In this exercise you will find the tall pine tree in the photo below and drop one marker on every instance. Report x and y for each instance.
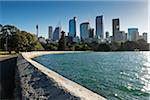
(61, 42)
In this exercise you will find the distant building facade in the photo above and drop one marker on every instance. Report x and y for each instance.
(120, 36)
(140, 37)
(91, 33)
(57, 34)
(115, 26)
(84, 30)
(50, 32)
(145, 36)
(99, 27)
(72, 27)
(133, 34)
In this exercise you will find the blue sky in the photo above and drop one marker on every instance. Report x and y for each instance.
(26, 14)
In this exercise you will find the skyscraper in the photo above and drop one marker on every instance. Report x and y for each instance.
(84, 30)
(115, 26)
(133, 34)
(72, 27)
(50, 31)
(99, 27)
(57, 34)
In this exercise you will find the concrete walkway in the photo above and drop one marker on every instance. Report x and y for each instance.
(7, 77)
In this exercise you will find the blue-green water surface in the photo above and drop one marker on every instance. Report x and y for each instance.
(114, 75)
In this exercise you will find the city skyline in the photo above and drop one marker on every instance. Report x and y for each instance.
(44, 16)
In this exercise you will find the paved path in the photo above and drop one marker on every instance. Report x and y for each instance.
(7, 76)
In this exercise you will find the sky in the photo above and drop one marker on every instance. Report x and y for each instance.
(27, 14)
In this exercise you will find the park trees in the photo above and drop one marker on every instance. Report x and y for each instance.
(19, 40)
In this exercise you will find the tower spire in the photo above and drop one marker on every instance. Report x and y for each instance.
(37, 27)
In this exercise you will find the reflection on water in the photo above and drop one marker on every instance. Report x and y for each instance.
(146, 77)
(114, 75)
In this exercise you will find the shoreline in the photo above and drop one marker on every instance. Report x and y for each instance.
(73, 88)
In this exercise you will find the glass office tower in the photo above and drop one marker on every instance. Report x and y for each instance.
(99, 27)
(57, 34)
(133, 34)
(72, 27)
(115, 26)
(84, 30)
(50, 32)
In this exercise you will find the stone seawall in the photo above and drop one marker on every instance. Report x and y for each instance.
(39, 82)
(35, 85)
(21, 78)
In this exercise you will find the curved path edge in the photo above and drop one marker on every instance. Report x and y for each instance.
(66, 84)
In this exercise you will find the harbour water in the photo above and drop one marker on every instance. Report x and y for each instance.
(114, 75)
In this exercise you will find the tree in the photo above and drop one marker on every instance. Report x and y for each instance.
(61, 43)
(51, 47)
(22, 40)
(114, 46)
(103, 47)
(94, 45)
(79, 47)
(143, 45)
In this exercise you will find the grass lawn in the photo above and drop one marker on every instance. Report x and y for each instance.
(6, 54)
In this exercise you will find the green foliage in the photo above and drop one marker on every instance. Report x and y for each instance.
(133, 45)
(103, 47)
(21, 40)
(78, 48)
(70, 48)
(128, 46)
(61, 43)
(37, 46)
(51, 46)
(143, 45)
(114, 46)
(94, 45)
(2, 42)
(86, 47)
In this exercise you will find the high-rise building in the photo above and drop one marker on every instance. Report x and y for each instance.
(133, 34)
(72, 27)
(57, 34)
(115, 26)
(50, 32)
(120, 36)
(145, 36)
(84, 30)
(99, 27)
(91, 33)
